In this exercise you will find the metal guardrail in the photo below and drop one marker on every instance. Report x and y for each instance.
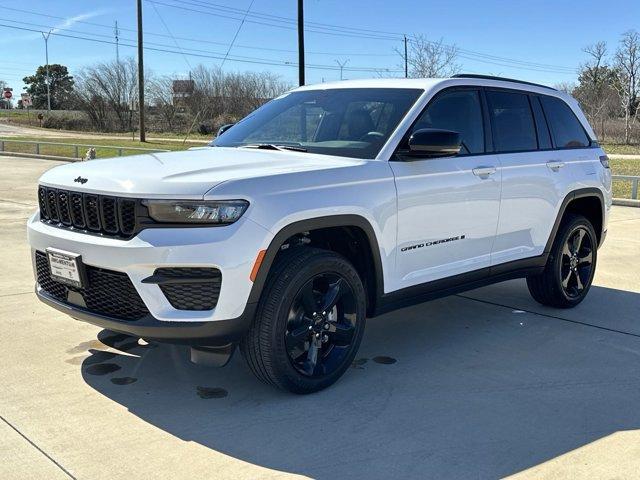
(76, 147)
(634, 183)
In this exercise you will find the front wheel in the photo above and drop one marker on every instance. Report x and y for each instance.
(567, 277)
(309, 322)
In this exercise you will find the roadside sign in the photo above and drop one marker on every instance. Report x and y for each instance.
(26, 99)
(7, 93)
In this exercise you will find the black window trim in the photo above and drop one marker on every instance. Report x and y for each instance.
(488, 130)
(540, 119)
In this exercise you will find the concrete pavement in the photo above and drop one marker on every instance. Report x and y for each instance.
(485, 384)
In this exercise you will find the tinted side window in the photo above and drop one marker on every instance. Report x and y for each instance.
(460, 111)
(566, 129)
(512, 121)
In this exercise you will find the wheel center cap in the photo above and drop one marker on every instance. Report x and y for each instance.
(574, 261)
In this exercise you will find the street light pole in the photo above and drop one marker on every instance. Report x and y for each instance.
(46, 52)
(341, 65)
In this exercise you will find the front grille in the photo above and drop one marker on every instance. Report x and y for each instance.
(98, 214)
(107, 292)
(189, 288)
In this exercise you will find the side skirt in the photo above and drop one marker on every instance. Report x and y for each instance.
(459, 283)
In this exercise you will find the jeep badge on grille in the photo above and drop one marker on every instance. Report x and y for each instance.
(81, 180)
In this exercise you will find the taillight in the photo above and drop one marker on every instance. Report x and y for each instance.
(604, 160)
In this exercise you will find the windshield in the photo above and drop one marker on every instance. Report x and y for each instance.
(349, 122)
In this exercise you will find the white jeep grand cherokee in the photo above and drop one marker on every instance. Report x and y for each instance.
(329, 204)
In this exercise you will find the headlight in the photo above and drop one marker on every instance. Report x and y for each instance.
(218, 212)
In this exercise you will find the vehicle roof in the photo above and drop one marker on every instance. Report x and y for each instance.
(429, 83)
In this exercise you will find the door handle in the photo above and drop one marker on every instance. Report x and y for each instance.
(484, 172)
(555, 165)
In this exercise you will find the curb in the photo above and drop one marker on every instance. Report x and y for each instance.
(41, 157)
(626, 202)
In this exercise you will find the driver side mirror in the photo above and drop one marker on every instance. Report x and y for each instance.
(224, 128)
(431, 142)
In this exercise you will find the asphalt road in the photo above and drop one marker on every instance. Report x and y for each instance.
(13, 130)
(485, 384)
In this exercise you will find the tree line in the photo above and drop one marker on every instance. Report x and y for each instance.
(608, 87)
(106, 94)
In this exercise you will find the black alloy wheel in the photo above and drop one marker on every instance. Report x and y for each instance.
(321, 325)
(577, 262)
(567, 276)
(309, 321)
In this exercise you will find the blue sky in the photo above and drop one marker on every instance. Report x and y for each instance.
(549, 34)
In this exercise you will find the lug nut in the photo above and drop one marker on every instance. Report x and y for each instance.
(326, 326)
(310, 327)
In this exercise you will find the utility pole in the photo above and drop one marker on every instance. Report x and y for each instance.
(116, 33)
(300, 43)
(46, 53)
(140, 75)
(341, 65)
(406, 60)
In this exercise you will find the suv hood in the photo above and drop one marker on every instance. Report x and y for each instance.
(183, 174)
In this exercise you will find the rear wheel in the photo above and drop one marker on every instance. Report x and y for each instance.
(567, 277)
(309, 322)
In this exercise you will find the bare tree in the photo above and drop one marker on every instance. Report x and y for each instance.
(566, 87)
(108, 92)
(220, 97)
(428, 58)
(161, 97)
(627, 61)
(596, 88)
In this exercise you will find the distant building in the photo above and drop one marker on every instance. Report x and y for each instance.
(181, 90)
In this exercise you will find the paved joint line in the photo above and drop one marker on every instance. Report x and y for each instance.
(613, 330)
(37, 448)
(33, 205)
(2, 295)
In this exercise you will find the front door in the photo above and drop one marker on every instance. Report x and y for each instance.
(447, 207)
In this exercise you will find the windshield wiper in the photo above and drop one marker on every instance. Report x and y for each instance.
(272, 146)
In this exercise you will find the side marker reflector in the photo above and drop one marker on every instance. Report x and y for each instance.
(256, 265)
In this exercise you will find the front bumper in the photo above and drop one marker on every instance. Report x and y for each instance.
(218, 333)
(231, 249)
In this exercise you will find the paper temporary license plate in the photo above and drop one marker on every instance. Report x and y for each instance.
(65, 267)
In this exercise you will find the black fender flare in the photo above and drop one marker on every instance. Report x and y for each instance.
(315, 224)
(575, 194)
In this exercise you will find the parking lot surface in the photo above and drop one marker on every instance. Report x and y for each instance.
(484, 384)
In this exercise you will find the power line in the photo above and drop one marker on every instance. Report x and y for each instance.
(200, 55)
(226, 55)
(469, 54)
(166, 27)
(275, 25)
(350, 31)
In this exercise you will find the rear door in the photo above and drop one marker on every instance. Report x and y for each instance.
(535, 174)
(447, 207)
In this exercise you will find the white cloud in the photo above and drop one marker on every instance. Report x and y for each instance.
(69, 22)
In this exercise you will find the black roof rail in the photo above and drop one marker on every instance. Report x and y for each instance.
(504, 79)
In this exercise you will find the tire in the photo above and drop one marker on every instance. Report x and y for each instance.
(280, 344)
(570, 268)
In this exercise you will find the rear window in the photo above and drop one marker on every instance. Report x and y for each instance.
(512, 121)
(566, 129)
